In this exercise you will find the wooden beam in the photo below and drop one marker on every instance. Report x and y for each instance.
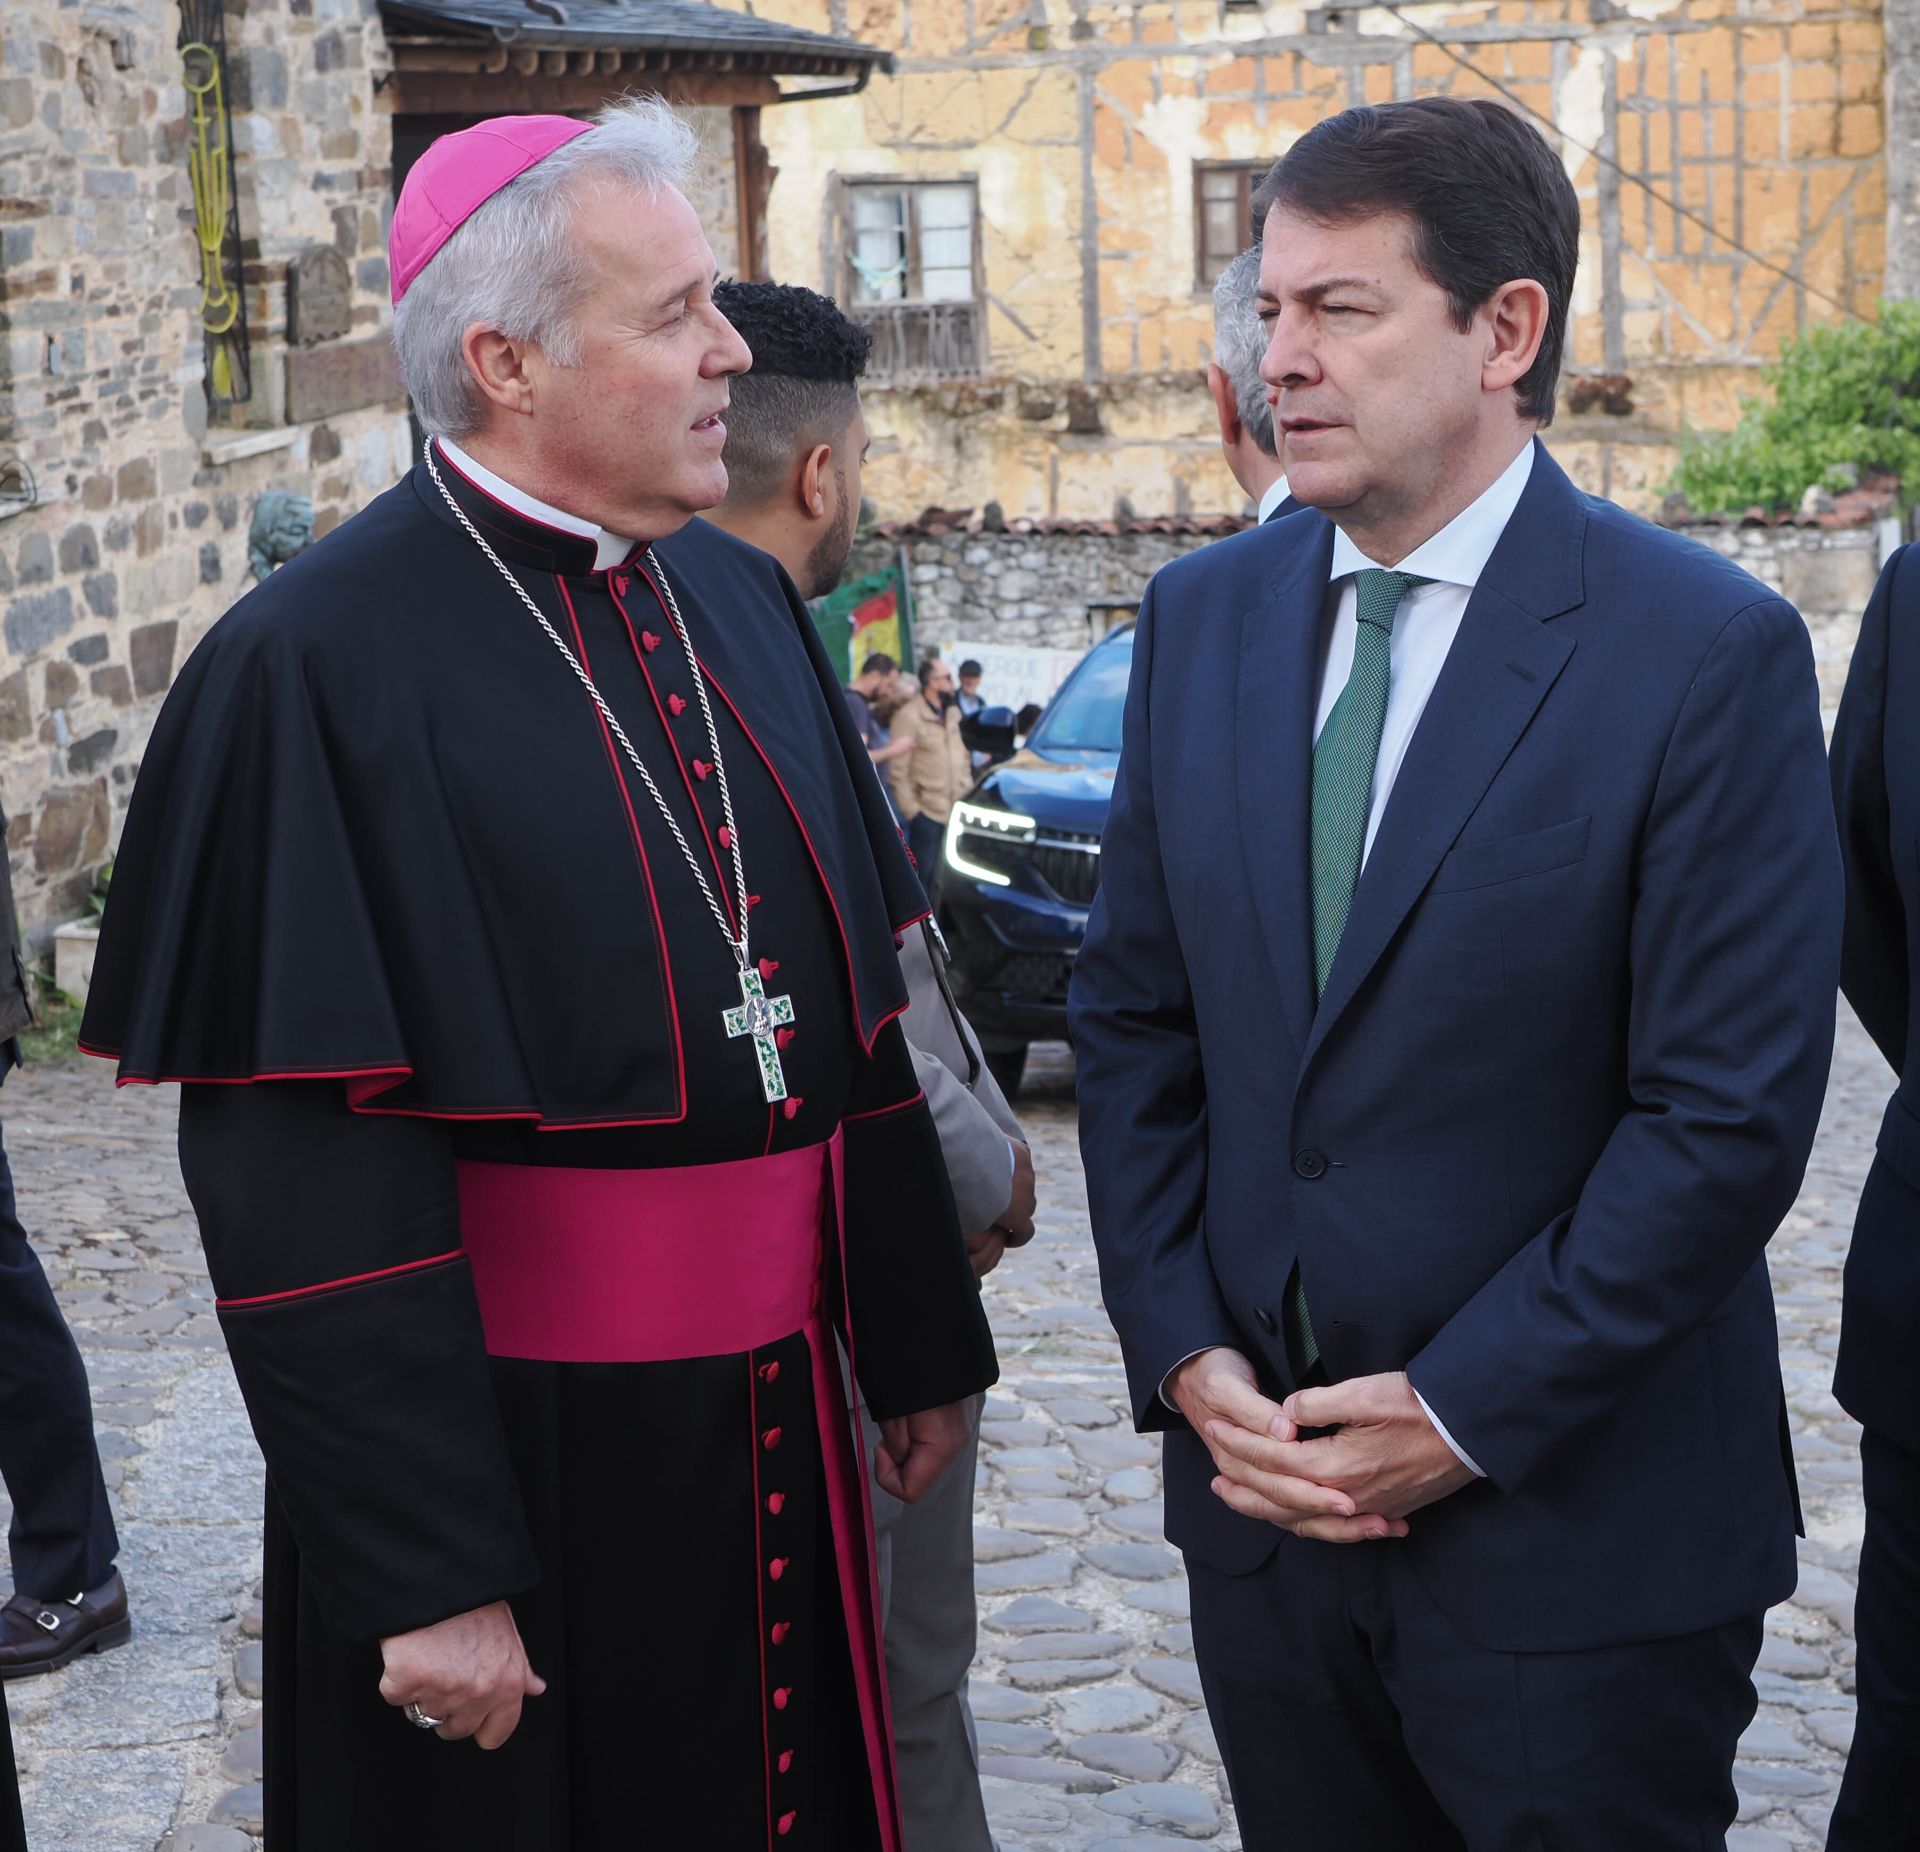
(753, 177)
(513, 92)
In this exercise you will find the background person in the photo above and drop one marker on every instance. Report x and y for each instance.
(68, 1597)
(1876, 789)
(801, 397)
(1241, 398)
(930, 779)
(1452, 1036)
(873, 684)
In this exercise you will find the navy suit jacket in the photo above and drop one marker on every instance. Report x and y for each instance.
(1876, 785)
(1531, 1144)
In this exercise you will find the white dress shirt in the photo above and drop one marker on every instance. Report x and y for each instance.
(1424, 628)
(1275, 495)
(611, 549)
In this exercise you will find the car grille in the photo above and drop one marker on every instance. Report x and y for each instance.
(1040, 976)
(1069, 863)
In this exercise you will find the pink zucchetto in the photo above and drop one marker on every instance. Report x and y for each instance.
(458, 175)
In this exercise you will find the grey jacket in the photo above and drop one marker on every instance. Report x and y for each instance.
(970, 1112)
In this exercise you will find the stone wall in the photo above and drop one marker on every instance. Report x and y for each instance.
(138, 539)
(1046, 587)
(1058, 586)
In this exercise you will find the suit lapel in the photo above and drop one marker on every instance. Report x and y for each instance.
(1502, 664)
(1278, 692)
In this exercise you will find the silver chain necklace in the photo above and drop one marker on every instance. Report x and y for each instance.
(757, 1016)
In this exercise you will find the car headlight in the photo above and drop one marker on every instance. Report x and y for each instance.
(991, 824)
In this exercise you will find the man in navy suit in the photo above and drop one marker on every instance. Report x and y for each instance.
(1876, 788)
(1449, 1051)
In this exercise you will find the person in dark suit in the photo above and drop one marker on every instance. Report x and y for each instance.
(68, 1598)
(1240, 396)
(1451, 1041)
(13, 1830)
(1876, 789)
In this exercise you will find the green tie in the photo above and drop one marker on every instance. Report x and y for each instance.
(1344, 758)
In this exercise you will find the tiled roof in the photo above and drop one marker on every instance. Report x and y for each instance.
(684, 26)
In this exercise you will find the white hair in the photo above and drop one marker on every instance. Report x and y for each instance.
(1239, 343)
(516, 263)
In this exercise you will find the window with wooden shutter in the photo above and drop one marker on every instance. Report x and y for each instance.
(912, 260)
(1222, 215)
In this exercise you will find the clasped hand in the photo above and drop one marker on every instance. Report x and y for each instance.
(1354, 1486)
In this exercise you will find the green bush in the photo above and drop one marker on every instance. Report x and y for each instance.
(1846, 403)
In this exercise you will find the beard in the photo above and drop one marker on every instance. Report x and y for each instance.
(827, 563)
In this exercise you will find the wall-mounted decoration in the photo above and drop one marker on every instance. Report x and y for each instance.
(282, 526)
(216, 214)
(319, 296)
(18, 490)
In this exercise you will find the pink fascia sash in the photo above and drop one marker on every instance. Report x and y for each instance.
(646, 1266)
(650, 1266)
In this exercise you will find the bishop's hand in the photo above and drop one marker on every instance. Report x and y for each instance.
(915, 1450)
(1246, 1432)
(470, 1671)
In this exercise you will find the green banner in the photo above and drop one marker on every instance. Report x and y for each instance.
(872, 612)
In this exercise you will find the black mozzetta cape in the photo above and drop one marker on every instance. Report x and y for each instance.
(384, 855)
(341, 856)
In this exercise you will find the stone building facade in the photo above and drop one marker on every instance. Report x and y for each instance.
(1731, 157)
(137, 537)
(153, 390)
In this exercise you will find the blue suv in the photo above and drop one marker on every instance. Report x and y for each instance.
(1022, 863)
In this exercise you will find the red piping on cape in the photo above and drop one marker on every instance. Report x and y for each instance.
(334, 1286)
(886, 1112)
(532, 520)
(833, 900)
(646, 870)
(700, 816)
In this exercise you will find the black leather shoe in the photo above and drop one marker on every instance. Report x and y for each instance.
(39, 1636)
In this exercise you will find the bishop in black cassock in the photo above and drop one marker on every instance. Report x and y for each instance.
(532, 1289)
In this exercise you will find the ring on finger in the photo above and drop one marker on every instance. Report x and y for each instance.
(419, 1718)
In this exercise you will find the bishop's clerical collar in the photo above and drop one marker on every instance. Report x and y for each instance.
(610, 549)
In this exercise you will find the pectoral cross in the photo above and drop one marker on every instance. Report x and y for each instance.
(759, 1015)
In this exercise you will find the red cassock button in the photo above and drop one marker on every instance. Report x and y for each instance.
(778, 1634)
(793, 1105)
(776, 1502)
(677, 705)
(781, 1037)
(620, 583)
(649, 642)
(770, 1439)
(778, 1567)
(726, 837)
(768, 966)
(786, 1760)
(786, 1823)
(781, 1696)
(753, 900)
(769, 1372)
(702, 770)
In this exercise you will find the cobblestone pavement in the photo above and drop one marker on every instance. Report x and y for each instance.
(1093, 1738)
